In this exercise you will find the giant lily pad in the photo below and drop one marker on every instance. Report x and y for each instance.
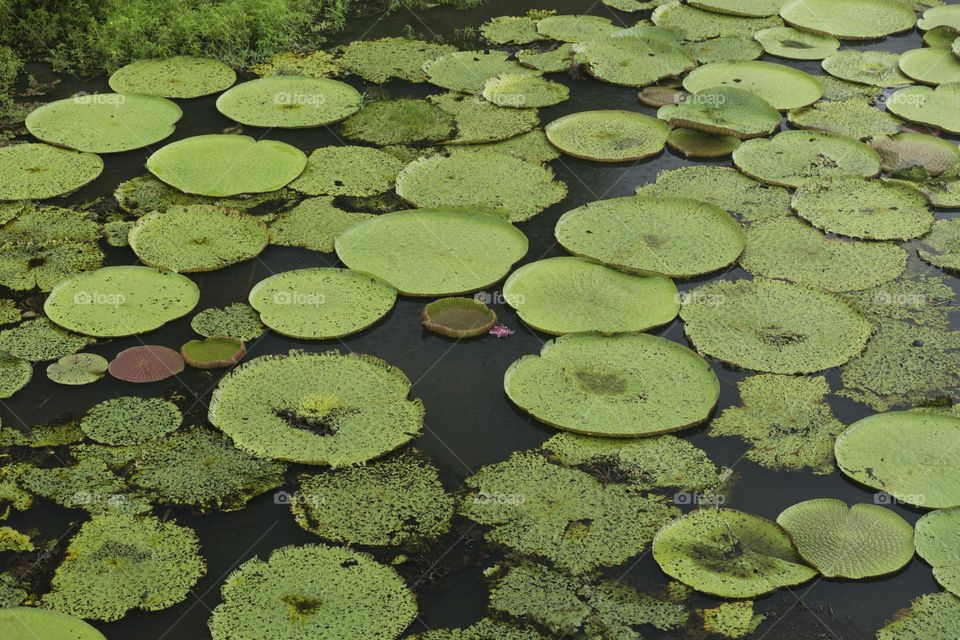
(313, 591)
(729, 553)
(574, 295)
(933, 616)
(787, 42)
(941, 247)
(908, 150)
(511, 30)
(608, 136)
(468, 71)
(749, 8)
(226, 165)
(782, 86)
(696, 144)
(697, 25)
(846, 20)
(944, 16)
(676, 237)
(908, 454)
(24, 623)
(313, 223)
(931, 66)
(321, 303)
(938, 107)
(523, 90)
(478, 121)
(875, 68)
(380, 60)
(623, 386)
(120, 301)
(791, 158)
(318, 408)
(551, 61)
(937, 537)
(289, 102)
(773, 326)
(855, 118)
(33, 171)
(861, 541)
(400, 121)
(633, 59)
(176, 77)
(724, 110)
(104, 122)
(575, 28)
(38, 339)
(131, 420)
(347, 171)
(724, 49)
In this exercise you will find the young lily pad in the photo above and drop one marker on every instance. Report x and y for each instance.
(875, 68)
(931, 616)
(931, 66)
(854, 118)
(861, 541)
(146, 363)
(790, 249)
(321, 303)
(633, 59)
(732, 619)
(131, 420)
(724, 110)
(905, 151)
(676, 237)
(729, 553)
(14, 374)
(213, 353)
(937, 535)
(236, 320)
(938, 107)
(197, 238)
(845, 20)
(562, 514)
(31, 622)
(485, 180)
(905, 453)
(313, 591)
(226, 165)
(119, 562)
(697, 144)
(292, 102)
(608, 136)
(511, 30)
(787, 42)
(697, 25)
(458, 317)
(782, 86)
(574, 295)
(393, 502)
(523, 91)
(551, 61)
(38, 340)
(315, 64)
(33, 171)
(313, 224)
(317, 408)
(380, 60)
(660, 96)
(400, 121)
(941, 247)
(120, 301)
(574, 28)
(860, 208)
(348, 171)
(468, 71)
(176, 77)
(724, 187)
(773, 326)
(786, 420)
(104, 122)
(945, 16)
(749, 8)
(78, 369)
(792, 158)
(478, 121)
(625, 386)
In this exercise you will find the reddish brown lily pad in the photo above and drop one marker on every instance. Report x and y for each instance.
(147, 363)
(213, 353)
(458, 317)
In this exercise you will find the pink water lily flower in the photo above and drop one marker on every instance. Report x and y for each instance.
(501, 331)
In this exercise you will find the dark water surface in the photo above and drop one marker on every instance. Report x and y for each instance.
(469, 420)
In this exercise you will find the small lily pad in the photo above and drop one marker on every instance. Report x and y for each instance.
(347, 171)
(875, 68)
(78, 369)
(931, 66)
(38, 340)
(213, 353)
(723, 49)
(726, 111)
(131, 420)
(292, 102)
(792, 158)
(845, 20)
(937, 537)
(608, 136)
(15, 373)
(236, 320)
(468, 71)
(782, 86)
(697, 144)
(176, 77)
(146, 363)
(787, 42)
(941, 247)
(634, 59)
(458, 317)
(33, 171)
(523, 91)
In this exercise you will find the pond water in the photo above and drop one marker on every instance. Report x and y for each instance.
(469, 421)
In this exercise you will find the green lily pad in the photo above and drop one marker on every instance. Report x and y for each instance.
(676, 237)
(197, 238)
(861, 541)
(930, 617)
(931, 66)
(782, 86)
(511, 30)
(724, 49)
(908, 150)
(131, 420)
(314, 224)
(104, 122)
(624, 386)
(15, 373)
(321, 303)
(937, 535)
(633, 59)
(523, 91)
(213, 353)
(792, 158)
(42, 264)
(854, 118)
(787, 42)
(485, 629)
(697, 144)
(176, 77)
(861, 208)
(315, 64)
(790, 249)
(945, 16)
(941, 37)
(33, 171)
(348, 171)
(938, 107)
(458, 317)
(292, 102)
(941, 247)
(380, 60)
(773, 326)
(226, 165)
(393, 502)
(837, 89)
(732, 619)
(550, 61)
(697, 25)
(88, 485)
(725, 111)
(749, 8)
(478, 121)
(608, 136)
(38, 340)
(468, 71)
(143, 194)
(875, 68)
(485, 180)
(532, 146)
(236, 320)
(575, 28)
(574, 295)
(119, 562)
(317, 408)
(786, 420)
(313, 591)
(400, 121)
(906, 454)
(845, 20)
(120, 301)
(29, 622)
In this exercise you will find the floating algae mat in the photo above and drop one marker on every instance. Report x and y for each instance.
(456, 320)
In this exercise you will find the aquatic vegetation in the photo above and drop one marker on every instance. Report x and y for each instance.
(213, 353)
(293, 102)
(347, 171)
(176, 77)
(398, 501)
(532, 146)
(934, 615)
(562, 514)
(458, 317)
(322, 408)
(836, 89)
(226, 164)
(523, 91)
(314, 224)
(781, 86)
(732, 619)
(131, 420)
(119, 562)
(723, 49)
(723, 110)
(935, 107)
(845, 20)
(146, 363)
(861, 541)
(197, 238)
(908, 150)
(319, 303)
(15, 373)
(941, 37)
(608, 136)
(15, 541)
(32, 622)
(574, 28)
(931, 66)
(750, 8)
(697, 25)
(237, 320)
(478, 121)
(34, 171)
(485, 629)
(786, 420)
(943, 16)
(697, 144)
(468, 71)
(89, 485)
(399, 121)
(549, 61)
(501, 331)
(941, 247)
(633, 59)
(511, 29)
(146, 193)
(875, 68)
(854, 118)
(936, 540)
(624, 386)
(120, 301)
(314, 64)
(77, 369)
(787, 42)
(41, 436)
(729, 553)
(115, 232)
(39, 340)
(380, 60)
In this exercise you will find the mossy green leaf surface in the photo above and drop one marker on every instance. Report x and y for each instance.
(320, 302)
(478, 121)
(12, 594)
(697, 25)
(523, 91)
(941, 247)
(931, 66)
(939, 37)
(321, 408)
(938, 539)
(291, 102)
(782, 86)
(845, 20)
(787, 42)
(792, 158)
(944, 16)
(176, 77)
(380, 60)
(729, 553)
(38, 340)
(854, 118)
(511, 30)
(236, 320)
(836, 89)
(633, 59)
(532, 146)
(14, 375)
(550, 61)
(146, 193)
(313, 224)
(468, 71)
(131, 420)
(732, 619)
(399, 121)
(34, 171)
(14, 541)
(30, 265)
(120, 301)
(935, 616)
(347, 171)
(723, 111)
(575, 28)
(315, 64)
(875, 68)
(89, 485)
(78, 369)
(726, 48)
(608, 136)
(30, 622)
(485, 629)
(625, 386)
(938, 107)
